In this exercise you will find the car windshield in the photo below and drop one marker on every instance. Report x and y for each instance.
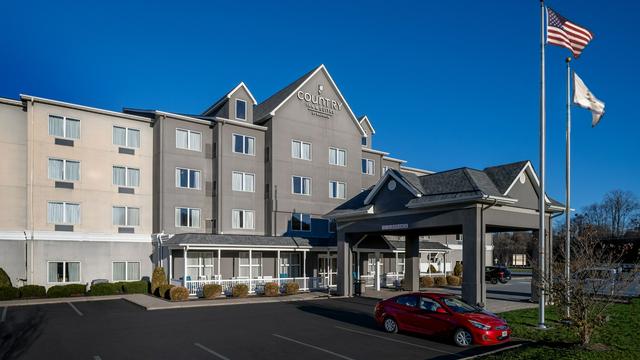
(459, 306)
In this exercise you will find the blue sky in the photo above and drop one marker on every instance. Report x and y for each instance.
(446, 84)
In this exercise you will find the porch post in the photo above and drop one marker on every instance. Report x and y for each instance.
(170, 275)
(278, 268)
(184, 276)
(304, 269)
(377, 273)
(412, 262)
(219, 258)
(397, 272)
(358, 269)
(328, 269)
(250, 271)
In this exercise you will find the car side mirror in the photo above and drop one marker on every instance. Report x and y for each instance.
(441, 310)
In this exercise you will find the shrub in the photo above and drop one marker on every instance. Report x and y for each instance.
(291, 288)
(457, 270)
(58, 291)
(454, 280)
(163, 291)
(158, 278)
(178, 293)
(432, 269)
(77, 289)
(105, 289)
(211, 291)
(240, 290)
(5, 280)
(9, 293)
(271, 289)
(135, 287)
(32, 291)
(439, 281)
(426, 281)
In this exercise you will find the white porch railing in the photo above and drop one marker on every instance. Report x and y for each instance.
(255, 285)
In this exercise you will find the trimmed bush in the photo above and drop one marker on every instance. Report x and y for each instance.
(240, 290)
(291, 288)
(179, 293)
(457, 269)
(271, 289)
(105, 289)
(158, 278)
(5, 280)
(211, 291)
(9, 293)
(32, 291)
(163, 291)
(439, 281)
(135, 287)
(426, 281)
(67, 290)
(454, 280)
(77, 289)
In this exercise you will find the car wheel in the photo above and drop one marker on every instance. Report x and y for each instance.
(504, 281)
(390, 325)
(494, 281)
(462, 337)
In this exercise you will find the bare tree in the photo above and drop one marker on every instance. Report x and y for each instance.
(620, 207)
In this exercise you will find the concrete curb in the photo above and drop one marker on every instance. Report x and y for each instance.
(63, 300)
(493, 352)
(223, 302)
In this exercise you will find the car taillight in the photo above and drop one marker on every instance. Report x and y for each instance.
(501, 273)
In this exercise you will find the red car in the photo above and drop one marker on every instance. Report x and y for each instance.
(442, 314)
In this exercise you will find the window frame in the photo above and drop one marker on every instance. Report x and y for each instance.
(373, 167)
(126, 215)
(243, 219)
(64, 212)
(188, 139)
(126, 270)
(189, 217)
(302, 222)
(64, 127)
(290, 265)
(337, 149)
(250, 265)
(244, 175)
(126, 176)
(199, 187)
(301, 185)
(64, 169)
(302, 152)
(337, 182)
(126, 137)
(364, 140)
(245, 109)
(64, 271)
(244, 137)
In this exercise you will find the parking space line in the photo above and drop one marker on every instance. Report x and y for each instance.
(75, 308)
(396, 340)
(313, 347)
(210, 351)
(4, 314)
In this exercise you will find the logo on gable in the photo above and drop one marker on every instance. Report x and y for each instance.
(319, 105)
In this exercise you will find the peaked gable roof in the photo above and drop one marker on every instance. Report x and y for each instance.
(503, 176)
(227, 96)
(365, 120)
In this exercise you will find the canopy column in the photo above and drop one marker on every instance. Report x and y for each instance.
(345, 278)
(473, 257)
(412, 262)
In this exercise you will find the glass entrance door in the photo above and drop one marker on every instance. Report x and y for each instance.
(327, 269)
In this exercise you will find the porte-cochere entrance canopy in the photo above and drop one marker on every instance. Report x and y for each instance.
(461, 201)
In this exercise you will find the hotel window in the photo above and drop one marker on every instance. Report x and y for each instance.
(332, 225)
(371, 263)
(300, 222)
(126, 216)
(301, 185)
(242, 219)
(400, 265)
(368, 166)
(188, 217)
(363, 141)
(126, 271)
(300, 150)
(127, 177)
(126, 137)
(64, 127)
(241, 109)
(64, 170)
(337, 189)
(200, 265)
(289, 265)
(187, 178)
(63, 271)
(63, 213)
(385, 169)
(188, 140)
(242, 181)
(255, 268)
(244, 144)
(337, 156)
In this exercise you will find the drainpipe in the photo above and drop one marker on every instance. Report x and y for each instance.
(159, 240)
(219, 212)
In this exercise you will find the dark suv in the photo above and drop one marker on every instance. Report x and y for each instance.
(497, 273)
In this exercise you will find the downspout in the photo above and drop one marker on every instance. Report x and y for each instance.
(30, 191)
(161, 177)
(219, 178)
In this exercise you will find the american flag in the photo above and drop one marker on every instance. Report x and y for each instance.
(563, 32)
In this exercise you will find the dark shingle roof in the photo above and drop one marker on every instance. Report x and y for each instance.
(352, 205)
(237, 240)
(503, 175)
(424, 245)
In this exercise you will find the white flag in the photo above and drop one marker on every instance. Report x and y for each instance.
(585, 99)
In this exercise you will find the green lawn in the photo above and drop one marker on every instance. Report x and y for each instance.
(618, 339)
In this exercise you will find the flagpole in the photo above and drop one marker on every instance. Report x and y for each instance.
(567, 268)
(542, 235)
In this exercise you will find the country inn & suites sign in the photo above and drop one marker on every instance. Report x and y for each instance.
(319, 105)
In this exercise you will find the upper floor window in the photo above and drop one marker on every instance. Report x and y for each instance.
(126, 216)
(333, 227)
(242, 181)
(337, 189)
(243, 144)
(300, 150)
(242, 219)
(187, 178)
(64, 127)
(125, 176)
(126, 137)
(385, 169)
(64, 170)
(187, 217)
(364, 141)
(301, 185)
(337, 156)
(63, 213)
(368, 166)
(188, 140)
(301, 222)
(241, 109)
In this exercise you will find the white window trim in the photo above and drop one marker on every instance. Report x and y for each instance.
(189, 139)
(126, 270)
(126, 215)
(201, 265)
(126, 176)
(243, 211)
(301, 185)
(337, 150)
(64, 127)
(244, 174)
(199, 187)
(64, 271)
(250, 265)
(337, 182)
(246, 110)
(64, 212)
(64, 169)
(233, 144)
(189, 214)
(301, 143)
(373, 167)
(290, 265)
(126, 136)
(301, 222)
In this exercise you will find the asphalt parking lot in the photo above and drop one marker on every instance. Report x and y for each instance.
(117, 329)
